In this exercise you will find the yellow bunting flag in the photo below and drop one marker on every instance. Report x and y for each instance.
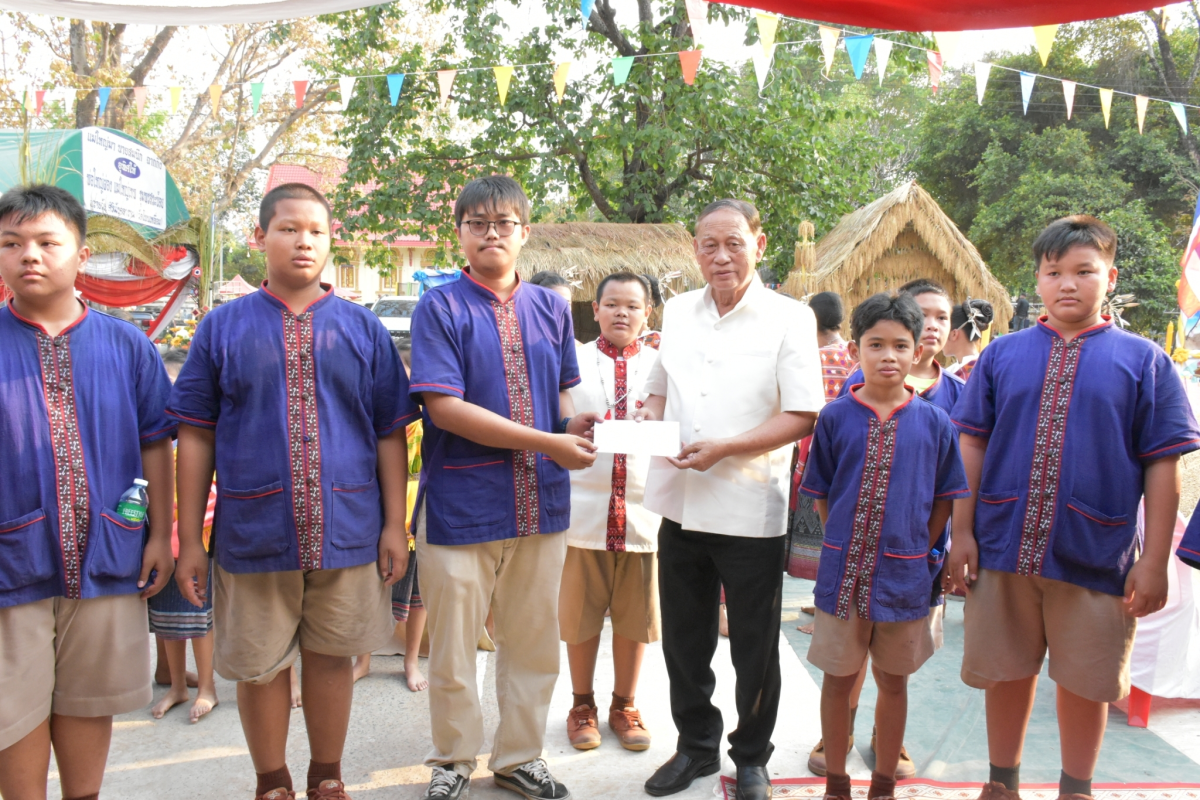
(445, 82)
(1106, 104)
(560, 79)
(829, 40)
(176, 95)
(503, 78)
(1140, 102)
(1044, 36)
(768, 25)
(139, 99)
(947, 45)
(214, 97)
(1069, 95)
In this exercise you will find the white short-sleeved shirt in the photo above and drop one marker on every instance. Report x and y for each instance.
(592, 488)
(724, 376)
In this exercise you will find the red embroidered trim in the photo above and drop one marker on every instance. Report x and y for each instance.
(858, 576)
(1047, 454)
(304, 444)
(70, 472)
(615, 537)
(520, 402)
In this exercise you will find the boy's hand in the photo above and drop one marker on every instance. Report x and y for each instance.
(393, 554)
(582, 424)
(155, 556)
(962, 568)
(1145, 588)
(644, 415)
(572, 452)
(700, 456)
(191, 574)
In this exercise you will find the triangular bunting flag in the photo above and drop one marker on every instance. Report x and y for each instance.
(1069, 96)
(982, 71)
(1027, 80)
(445, 83)
(947, 44)
(585, 8)
(103, 93)
(768, 25)
(1106, 104)
(689, 60)
(39, 99)
(214, 97)
(346, 91)
(883, 54)
(829, 40)
(935, 69)
(300, 88)
(27, 100)
(560, 80)
(697, 13)
(395, 83)
(1180, 114)
(503, 78)
(762, 65)
(256, 91)
(1140, 103)
(176, 96)
(1044, 36)
(620, 68)
(139, 99)
(858, 48)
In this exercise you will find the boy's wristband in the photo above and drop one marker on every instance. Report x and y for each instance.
(563, 423)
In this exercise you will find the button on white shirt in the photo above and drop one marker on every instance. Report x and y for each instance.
(724, 376)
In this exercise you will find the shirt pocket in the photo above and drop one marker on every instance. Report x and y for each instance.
(26, 552)
(995, 515)
(1093, 539)
(830, 569)
(904, 579)
(357, 515)
(254, 521)
(476, 490)
(556, 487)
(117, 551)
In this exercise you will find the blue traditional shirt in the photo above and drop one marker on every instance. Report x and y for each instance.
(881, 478)
(512, 357)
(75, 410)
(1071, 426)
(299, 403)
(1189, 547)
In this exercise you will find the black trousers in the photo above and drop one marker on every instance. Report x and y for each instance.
(692, 568)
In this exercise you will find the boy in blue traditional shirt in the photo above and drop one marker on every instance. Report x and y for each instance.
(299, 400)
(82, 415)
(493, 358)
(1064, 427)
(883, 469)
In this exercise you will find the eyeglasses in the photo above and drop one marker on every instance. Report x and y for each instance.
(479, 227)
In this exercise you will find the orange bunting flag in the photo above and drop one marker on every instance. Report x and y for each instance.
(1069, 95)
(935, 69)
(139, 99)
(560, 79)
(176, 94)
(689, 60)
(445, 82)
(214, 97)
(39, 99)
(1141, 101)
(1106, 104)
(301, 88)
(503, 78)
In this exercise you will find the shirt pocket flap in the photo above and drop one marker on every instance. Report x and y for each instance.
(1090, 538)
(904, 579)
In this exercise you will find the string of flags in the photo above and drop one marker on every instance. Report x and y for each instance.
(858, 48)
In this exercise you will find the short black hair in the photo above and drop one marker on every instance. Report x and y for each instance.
(290, 191)
(547, 279)
(923, 286)
(656, 295)
(492, 195)
(1079, 230)
(625, 277)
(175, 356)
(883, 307)
(829, 310)
(747, 210)
(23, 203)
(980, 310)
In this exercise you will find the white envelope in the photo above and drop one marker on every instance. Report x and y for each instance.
(639, 438)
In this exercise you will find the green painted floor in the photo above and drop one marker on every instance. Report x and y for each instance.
(946, 734)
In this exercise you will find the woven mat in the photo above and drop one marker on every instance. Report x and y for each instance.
(919, 789)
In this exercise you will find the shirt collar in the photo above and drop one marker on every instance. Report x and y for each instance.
(937, 382)
(1045, 326)
(38, 327)
(911, 394)
(753, 293)
(473, 285)
(609, 349)
(274, 299)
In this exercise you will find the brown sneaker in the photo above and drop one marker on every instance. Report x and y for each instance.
(998, 791)
(277, 794)
(905, 768)
(329, 790)
(627, 724)
(816, 759)
(582, 729)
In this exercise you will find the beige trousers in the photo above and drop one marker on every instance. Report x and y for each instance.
(518, 580)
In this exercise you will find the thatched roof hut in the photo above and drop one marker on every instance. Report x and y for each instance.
(901, 236)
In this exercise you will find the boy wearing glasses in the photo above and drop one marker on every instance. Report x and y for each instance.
(493, 359)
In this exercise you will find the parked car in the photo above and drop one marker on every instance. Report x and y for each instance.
(396, 314)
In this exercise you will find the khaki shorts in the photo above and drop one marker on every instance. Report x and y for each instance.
(594, 581)
(263, 619)
(839, 647)
(1010, 621)
(77, 658)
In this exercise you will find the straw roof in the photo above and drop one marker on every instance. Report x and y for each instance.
(901, 236)
(585, 252)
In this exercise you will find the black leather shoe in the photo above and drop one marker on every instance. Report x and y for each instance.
(753, 783)
(678, 774)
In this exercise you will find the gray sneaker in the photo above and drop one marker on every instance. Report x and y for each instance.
(533, 781)
(446, 784)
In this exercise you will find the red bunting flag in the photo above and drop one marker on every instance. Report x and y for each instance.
(139, 99)
(689, 60)
(935, 69)
(301, 87)
(39, 97)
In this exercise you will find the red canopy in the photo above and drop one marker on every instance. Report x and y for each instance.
(948, 15)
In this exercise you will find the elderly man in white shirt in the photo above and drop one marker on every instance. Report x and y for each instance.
(739, 370)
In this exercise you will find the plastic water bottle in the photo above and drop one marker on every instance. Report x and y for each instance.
(134, 502)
